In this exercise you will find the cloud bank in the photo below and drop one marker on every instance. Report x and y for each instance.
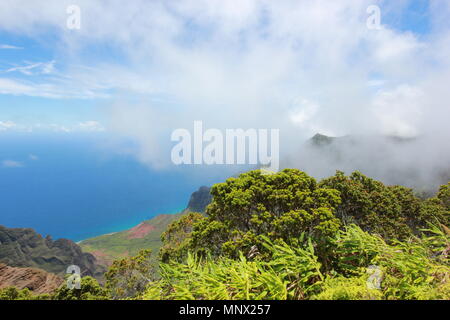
(300, 66)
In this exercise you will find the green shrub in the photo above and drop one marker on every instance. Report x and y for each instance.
(341, 288)
(12, 293)
(89, 290)
(417, 268)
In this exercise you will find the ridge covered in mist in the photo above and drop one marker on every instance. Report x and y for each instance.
(409, 161)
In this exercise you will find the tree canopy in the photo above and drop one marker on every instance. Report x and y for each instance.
(290, 204)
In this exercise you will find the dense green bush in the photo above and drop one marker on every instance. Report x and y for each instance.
(414, 269)
(280, 206)
(128, 277)
(176, 239)
(11, 293)
(90, 289)
(444, 196)
(291, 274)
(286, 236)
(393, 212)
(288, 204)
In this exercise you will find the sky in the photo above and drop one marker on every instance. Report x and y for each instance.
(145, 68)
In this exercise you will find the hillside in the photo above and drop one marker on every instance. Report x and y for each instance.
(21, 247)
(146, 235)
(36, 280)
(199, 200)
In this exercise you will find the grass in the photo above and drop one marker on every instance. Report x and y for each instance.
(110, 247)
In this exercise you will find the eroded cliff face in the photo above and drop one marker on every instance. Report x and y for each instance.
(36, 280)
(26, 248)
(199, 200)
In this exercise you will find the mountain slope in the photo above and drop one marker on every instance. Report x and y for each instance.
(199, 200)
(146, 235)
(21, 247)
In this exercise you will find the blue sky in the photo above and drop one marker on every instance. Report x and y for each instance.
(144, 69)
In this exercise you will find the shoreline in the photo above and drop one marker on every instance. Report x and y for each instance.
(129, 227)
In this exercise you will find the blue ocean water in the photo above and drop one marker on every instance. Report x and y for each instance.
(68, 185)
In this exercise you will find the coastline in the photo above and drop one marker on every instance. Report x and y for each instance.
(130, 226)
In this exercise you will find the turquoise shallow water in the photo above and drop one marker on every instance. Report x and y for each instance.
(71, 186)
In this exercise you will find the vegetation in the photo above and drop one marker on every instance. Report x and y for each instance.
(416, 269)
(11, 293)
(110, 247)
(89, 290)
(176, 239)
(130, 276)
(288, 236)
(393, 212)
(280, 206)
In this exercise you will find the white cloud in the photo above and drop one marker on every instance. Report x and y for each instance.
(33, 157)
(9, 47)
(86, 126)
(37, 68)
(7, 125)
(54, 127)
(8, 86)
(240, 64)
(62, 89)
(91, 126)
(11, 164)
(304, 111)
(399, 111)
(394, 46)
(376, 83)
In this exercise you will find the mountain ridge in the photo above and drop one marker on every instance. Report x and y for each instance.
(24, 247)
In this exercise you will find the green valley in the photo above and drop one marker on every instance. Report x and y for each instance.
(146, 235)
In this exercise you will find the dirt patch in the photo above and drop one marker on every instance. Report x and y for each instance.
(140, 231)
(36, 280)
(103, 258)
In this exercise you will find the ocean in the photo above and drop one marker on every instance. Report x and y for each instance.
(72, 186)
